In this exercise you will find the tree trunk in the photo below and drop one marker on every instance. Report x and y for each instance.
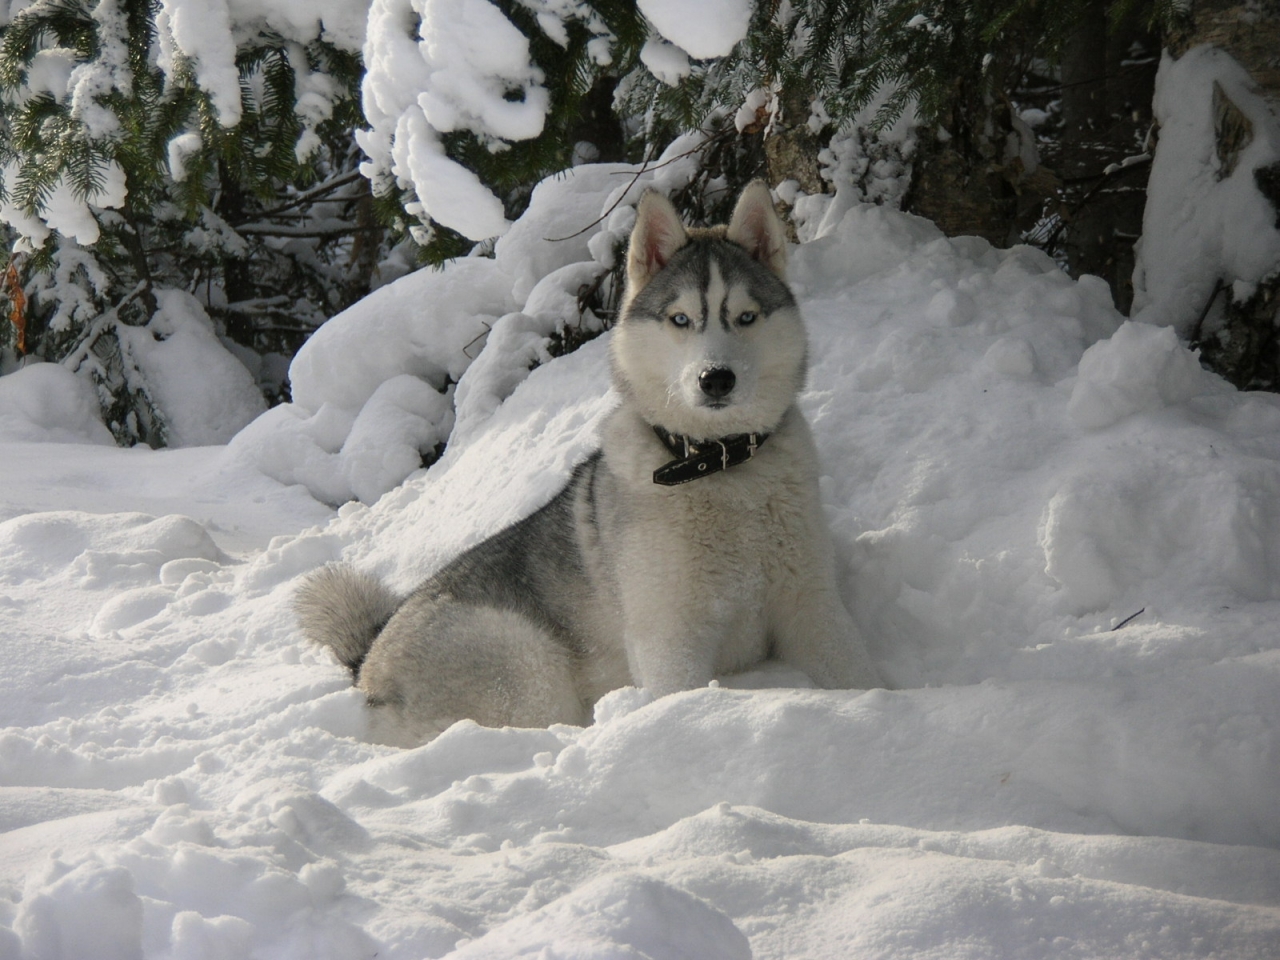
(1084, 149)
(366, 246)
(1108, 77)
(1249, 31)
(232, 205)
(962, 179)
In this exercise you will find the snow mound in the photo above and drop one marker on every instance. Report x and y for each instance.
(88, 911)
(203, 392)
(1141, 368)
(630, 917)
(103, 547)
(47, 403)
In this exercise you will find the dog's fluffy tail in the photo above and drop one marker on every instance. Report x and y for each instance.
(344, 610)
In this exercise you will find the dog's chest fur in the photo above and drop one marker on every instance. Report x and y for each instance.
(713, 554)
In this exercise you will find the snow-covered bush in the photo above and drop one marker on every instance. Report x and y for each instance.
(426, 359)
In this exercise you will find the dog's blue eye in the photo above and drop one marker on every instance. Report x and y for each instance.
(746, 319)
(680, 319)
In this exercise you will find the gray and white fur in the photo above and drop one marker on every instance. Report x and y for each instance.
(620, 580)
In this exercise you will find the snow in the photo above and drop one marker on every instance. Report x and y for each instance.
(65, 211)
(47, 403)
(1202, 222)
(202, 36)
(50, 72)
(205, 394)
(339, 22)
(240, 509)
(441, 66)
(200, 32)
(476, 57)
(468, 68)
(1010, 472)
(181, 148)
(704, 30)
(1141, 368)
(665, 61)
(642, 916)
(202, 392)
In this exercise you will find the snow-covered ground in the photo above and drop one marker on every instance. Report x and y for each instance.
(1011, 472)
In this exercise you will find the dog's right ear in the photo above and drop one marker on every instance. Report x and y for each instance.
(657, 235)
(756, 228)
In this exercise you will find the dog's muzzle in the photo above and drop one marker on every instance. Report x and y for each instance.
(717, 382)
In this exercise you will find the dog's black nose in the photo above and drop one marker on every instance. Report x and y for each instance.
(717, 382)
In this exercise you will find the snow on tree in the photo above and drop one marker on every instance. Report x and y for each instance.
(180, 146)
(1209, 262)
(1208, 222)
(469, 101)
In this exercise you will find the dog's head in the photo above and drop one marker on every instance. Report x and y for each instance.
(710, 342)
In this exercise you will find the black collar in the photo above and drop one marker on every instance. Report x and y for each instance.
(701, 458)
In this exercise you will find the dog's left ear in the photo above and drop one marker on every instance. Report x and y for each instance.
(756, 227)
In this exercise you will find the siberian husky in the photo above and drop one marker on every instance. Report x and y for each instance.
(691, 544)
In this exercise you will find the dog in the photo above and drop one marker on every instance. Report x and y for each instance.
(691, 544)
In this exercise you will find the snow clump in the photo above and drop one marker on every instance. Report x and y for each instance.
(47, 403)
(703, 30)
(1204, 222)
(203, 392)
(456, 74)
(1141, 368)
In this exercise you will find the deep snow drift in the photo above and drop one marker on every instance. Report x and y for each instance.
(1011, 472)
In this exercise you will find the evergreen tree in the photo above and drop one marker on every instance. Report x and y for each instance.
(125, 172)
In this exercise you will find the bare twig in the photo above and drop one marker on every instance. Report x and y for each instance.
(488, 329)
(588, 290)
(312, 194)
(644, 168)
(1132, 616)
(1107, 175)
(272, 230)
(1127, 67)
